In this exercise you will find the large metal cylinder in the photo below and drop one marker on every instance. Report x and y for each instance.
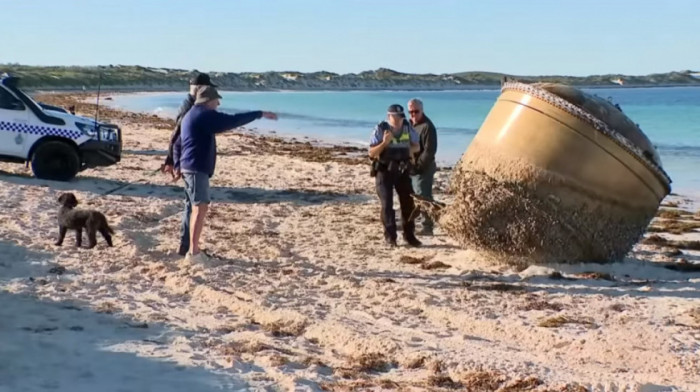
(545, 180)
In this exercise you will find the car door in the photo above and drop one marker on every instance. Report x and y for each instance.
(14, 123)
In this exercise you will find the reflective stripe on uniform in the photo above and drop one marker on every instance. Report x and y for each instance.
(403, 141)
(403, 138)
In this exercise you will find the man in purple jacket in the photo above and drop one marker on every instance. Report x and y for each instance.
(194, 155)
(168, 166)
(196, 82)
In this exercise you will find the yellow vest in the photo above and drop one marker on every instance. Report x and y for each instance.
(403, 139)
(399, 149)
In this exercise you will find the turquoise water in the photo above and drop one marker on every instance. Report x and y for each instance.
(669, 116)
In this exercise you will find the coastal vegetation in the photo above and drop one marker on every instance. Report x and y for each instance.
(139, 78)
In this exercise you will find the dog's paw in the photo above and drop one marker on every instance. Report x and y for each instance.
(58, 243)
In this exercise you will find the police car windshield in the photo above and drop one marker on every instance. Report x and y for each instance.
(29, 97)
(45, 116)
(37, 104)
(20, 93)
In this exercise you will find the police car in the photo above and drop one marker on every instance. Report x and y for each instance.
(55, 142)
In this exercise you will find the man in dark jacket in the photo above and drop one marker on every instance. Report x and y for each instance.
(201, 79)
(424, 166)
(194, 155)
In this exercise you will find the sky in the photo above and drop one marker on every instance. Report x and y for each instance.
(534, 37)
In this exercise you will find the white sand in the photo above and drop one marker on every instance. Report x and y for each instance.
(304, 286)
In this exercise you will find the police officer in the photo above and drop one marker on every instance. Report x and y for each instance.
(391, 146)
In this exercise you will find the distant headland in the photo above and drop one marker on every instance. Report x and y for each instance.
(139, 78)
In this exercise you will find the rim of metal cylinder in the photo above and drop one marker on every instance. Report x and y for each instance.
(596, 123)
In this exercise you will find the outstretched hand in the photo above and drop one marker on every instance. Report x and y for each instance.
(269, 115)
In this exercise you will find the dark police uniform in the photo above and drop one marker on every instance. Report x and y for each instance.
(392, 171)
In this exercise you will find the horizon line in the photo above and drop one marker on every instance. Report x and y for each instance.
(687, 70)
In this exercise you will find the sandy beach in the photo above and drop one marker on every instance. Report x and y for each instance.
(305, 297)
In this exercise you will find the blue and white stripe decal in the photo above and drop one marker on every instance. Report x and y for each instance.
(39, 130)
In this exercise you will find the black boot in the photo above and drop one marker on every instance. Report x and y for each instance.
(409, 234)
(411, 240)
(182, 250)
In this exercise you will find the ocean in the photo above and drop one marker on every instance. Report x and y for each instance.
(670, 117)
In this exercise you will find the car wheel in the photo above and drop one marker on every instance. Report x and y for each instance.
(55, 160)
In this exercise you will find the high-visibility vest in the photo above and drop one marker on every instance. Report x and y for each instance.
(399, 149)
(402, 141)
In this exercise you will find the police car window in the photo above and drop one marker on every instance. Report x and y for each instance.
(7, 101)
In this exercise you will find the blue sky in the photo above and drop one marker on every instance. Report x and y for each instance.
(534, 37)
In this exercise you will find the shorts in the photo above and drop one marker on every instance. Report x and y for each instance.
(197, 187)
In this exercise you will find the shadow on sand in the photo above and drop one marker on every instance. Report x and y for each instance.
(66, 346)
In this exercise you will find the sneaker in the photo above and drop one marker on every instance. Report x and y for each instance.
(199, 258)
(204, 259)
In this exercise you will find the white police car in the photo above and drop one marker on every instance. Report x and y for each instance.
(56, 143)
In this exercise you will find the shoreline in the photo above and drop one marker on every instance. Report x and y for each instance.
(683, 181)
(179, 89)
(357, 151)
(304, 297)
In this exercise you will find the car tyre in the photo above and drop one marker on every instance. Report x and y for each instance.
(55, 160)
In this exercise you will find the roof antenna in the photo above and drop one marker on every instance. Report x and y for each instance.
(97, 106)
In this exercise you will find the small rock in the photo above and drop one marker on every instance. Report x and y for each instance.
(112, 268)
(435, 265)
(58, 270)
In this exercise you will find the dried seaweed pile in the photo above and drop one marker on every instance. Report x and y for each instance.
(519, 225)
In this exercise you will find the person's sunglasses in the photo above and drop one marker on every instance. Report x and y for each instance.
(413, 111)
